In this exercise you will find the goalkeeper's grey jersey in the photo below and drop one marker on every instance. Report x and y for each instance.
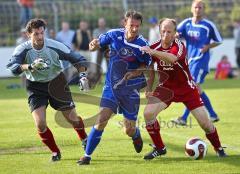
(51, 53)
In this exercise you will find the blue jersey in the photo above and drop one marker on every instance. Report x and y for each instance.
(124, 56)
(196, 36)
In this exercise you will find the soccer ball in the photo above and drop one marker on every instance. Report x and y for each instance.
(196, 148)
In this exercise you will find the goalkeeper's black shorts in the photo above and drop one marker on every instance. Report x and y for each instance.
(55, 92)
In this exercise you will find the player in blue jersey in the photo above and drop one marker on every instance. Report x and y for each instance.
(39, 58)
(124, 79)
(201, 35)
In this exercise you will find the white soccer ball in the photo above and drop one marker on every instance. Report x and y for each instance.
(196, 148)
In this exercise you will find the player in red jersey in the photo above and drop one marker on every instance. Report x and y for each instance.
(175, 85)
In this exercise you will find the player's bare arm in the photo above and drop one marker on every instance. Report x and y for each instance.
(167, 57)
(24, 67)
(94, 45)
(209, 46)
(135, 73)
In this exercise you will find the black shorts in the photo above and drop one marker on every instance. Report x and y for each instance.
(55, 92)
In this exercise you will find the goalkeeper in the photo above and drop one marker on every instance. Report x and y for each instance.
(39, 58)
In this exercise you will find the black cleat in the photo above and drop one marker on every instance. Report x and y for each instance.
(84, 144)
(220, 152)
(154, 153)
(138, 144)
(56, 157)
(84, 161)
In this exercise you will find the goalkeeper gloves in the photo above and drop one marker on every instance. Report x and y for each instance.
(38, 64)
(83, 82)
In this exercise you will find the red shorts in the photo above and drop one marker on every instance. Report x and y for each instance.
(189, 97)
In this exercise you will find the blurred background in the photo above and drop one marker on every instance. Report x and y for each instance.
(224, 13)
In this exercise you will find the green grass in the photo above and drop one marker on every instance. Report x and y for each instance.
(22, 152)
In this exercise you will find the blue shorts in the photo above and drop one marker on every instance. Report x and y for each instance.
(121, 101)
(198, 74)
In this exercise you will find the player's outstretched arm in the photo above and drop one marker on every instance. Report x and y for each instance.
(94, 45)
(167, 57)
(135, 73)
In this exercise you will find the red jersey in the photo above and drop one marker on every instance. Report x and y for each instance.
(175, 76)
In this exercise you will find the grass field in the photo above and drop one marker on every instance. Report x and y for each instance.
(22, 152)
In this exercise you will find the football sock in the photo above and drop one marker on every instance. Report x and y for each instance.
(137, 134)
(93, 140)
(154, 132)
(214, 139)
(48, 139)
(208, 105)
(80, 130)
(185, 114)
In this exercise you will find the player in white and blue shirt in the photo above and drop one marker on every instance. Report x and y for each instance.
(121, 95)
(124, 79)
(200, 35)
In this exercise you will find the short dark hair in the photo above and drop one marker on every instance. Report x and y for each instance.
(134, 15)
(168, 19)
(34, 24)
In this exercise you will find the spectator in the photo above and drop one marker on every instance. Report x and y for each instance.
(100, 52)
(23, 37)
(80, 43)
(25, 11)
(224, 69)
(52, 34)
(153, 34)
(65, 36)
(82, 38)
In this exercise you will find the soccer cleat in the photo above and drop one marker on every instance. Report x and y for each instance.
(138, 144)
(84, 160)
(179, 121)
(154, 153)
(84, 144)
(56, 157)
(220, 152)
(214, 119)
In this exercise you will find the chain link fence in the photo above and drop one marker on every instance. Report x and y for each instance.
(56, 11)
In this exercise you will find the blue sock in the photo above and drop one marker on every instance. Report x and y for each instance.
(137, 134)
(208, 105)
(185, 114)
(93, 140)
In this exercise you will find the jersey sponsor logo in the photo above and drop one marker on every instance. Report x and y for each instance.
(166, 66)
(194, 34)
(163, 63)
(168, 69)
(127, 54)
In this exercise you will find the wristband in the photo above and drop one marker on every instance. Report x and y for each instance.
(30, 68)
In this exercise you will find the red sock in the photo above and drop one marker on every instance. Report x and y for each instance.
(214, 139)
(154, 132)
(79, 128)
(48, 139)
